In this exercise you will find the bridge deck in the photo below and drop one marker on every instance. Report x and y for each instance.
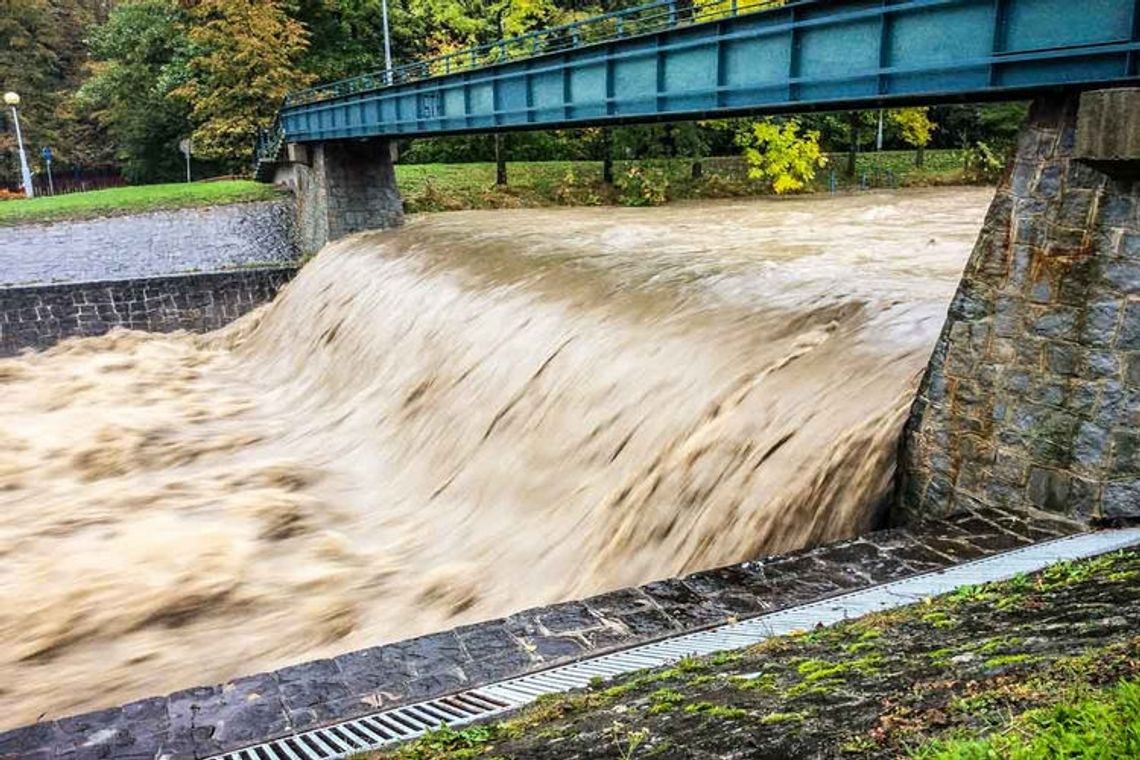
(725, 58)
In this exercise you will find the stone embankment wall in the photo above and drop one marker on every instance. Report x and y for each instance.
(1032, 397)
(149, 244)
(38, 316)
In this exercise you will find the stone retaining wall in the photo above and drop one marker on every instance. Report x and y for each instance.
(38, 316)
(1032, 396)
(149, 244)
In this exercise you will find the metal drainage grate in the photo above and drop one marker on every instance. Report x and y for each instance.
(399, 724)
(370, 732)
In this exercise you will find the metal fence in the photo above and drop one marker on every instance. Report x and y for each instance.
(643, 19)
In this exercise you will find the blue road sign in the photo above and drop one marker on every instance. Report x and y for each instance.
(47, 154)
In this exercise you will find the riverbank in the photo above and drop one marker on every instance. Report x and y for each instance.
(455, 187)
(1023, 668)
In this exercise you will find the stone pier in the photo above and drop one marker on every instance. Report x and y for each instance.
(341, 187)
(1032, 396)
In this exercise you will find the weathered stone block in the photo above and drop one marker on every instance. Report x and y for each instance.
(1091, 446)
(1129, 335)
(1059, 323)
(1122, 499)
(1123, 276)
(1099, 322)
(1063, 358)
(1108, 125)
(1126, 453)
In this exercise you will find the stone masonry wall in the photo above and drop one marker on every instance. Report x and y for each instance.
(1032, 396)
(39, 316)
(148, 244)
(345, 187)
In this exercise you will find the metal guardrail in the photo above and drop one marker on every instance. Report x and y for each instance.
(657, 16)
(269, 141)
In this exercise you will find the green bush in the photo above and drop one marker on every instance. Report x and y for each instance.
(983, 164)
(642, 186)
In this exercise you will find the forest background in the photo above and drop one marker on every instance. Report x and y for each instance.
(113, 86)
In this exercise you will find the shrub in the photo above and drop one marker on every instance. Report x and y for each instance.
(573, 191)
(983, 165)
(779, 156)
(642, 186)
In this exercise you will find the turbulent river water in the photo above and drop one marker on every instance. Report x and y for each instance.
(477, 413)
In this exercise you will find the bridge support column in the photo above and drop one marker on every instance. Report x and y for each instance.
(1031, 399)
(343, 187)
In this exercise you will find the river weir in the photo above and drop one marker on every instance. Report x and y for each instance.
(474, 414)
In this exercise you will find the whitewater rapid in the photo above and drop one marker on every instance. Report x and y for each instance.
(449, 422)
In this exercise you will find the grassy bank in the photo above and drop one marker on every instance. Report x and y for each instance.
(128, 200)
(449, 187)
(1043, 666)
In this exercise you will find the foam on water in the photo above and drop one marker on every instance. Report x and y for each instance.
(477, 413)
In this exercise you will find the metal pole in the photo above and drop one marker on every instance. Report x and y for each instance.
(25, 172)
(387, 44)
(51, 182)
(188, 180)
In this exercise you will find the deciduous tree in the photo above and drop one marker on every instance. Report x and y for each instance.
(915, 128)
(244, 59)
(141, 57)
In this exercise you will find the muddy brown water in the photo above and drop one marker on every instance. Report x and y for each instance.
(475, 414)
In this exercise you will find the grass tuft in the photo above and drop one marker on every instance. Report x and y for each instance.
(1100, 725)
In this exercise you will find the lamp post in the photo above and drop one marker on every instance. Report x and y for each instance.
(12, 99)
(387, 45)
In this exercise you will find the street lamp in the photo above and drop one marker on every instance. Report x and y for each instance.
(13, 100)
(387, 45)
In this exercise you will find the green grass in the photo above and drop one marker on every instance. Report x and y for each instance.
(445, 187)
(127, 200)
(1103, 724)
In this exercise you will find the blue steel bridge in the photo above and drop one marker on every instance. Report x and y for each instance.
(676, 60)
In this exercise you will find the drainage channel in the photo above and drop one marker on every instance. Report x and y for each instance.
(399, 724)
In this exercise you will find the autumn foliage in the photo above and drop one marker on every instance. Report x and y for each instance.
(245, 60)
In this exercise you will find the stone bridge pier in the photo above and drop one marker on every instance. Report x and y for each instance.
(340, 188)
(1031, 399)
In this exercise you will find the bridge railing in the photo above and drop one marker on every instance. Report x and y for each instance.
(656, 16)
(269, 141)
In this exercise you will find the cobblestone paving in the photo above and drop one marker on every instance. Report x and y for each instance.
(150, 244)
(206, 720)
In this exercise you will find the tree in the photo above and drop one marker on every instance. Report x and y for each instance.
(243, 61)
(42, 56)
(779, 155)
(916, 129)
(141, 57)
